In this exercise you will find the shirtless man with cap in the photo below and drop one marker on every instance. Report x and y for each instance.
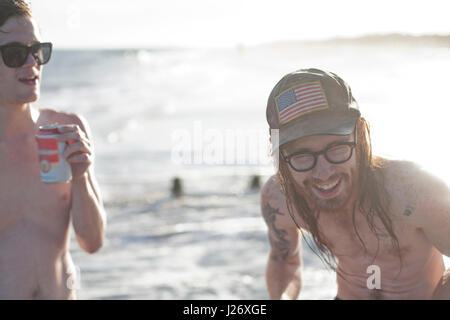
(382, 225)
(34, 216)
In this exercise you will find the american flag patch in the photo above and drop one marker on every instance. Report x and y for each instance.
(300, 100)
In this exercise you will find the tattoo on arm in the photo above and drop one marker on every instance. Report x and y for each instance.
(278, 242)
(408, 211)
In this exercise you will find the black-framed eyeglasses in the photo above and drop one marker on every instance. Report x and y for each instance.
(336, 153)
(15, 55)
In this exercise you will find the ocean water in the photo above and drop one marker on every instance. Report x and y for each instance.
(149, 108)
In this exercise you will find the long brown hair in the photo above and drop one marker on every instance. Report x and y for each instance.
(13, 8)
(373, 200)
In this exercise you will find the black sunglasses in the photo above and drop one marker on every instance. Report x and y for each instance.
(15, 55)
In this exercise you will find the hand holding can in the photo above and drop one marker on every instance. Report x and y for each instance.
(78, 151)
(64, 152)
(53, 166)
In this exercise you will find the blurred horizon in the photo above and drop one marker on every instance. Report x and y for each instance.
(375, 39)
(214, 24)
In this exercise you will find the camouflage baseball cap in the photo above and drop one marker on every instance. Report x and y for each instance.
(310, 102)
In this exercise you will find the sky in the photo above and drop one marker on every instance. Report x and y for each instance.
(216, 23)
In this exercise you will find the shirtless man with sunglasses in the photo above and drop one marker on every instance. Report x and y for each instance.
(35, 217)
(382, 225)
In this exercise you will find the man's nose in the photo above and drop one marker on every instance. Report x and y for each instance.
(31, 61)
(323, 169)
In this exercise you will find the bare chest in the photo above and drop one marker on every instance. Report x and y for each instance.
(23, 197)
(368, 240)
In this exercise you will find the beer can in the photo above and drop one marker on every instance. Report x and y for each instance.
(54, 167)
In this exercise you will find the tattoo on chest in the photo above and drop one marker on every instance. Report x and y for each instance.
(408, 211)
(278, 242)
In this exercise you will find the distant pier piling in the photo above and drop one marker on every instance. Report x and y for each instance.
(255, 182)
(177, 187)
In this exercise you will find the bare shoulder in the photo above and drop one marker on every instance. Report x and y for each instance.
(49, 116)
(273, 204)
(409, 176)
(271, 191)
(427, 202)
(414, 185)
(399, 173)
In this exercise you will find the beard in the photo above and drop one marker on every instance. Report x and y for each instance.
(340, 201)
